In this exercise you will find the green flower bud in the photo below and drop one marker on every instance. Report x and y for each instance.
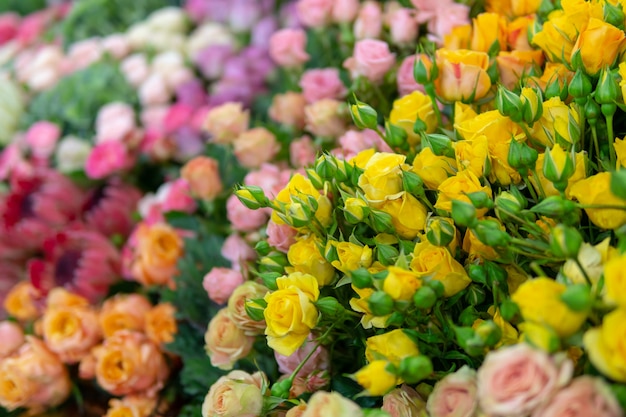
(361, 278)
(495, 273)
(489, 332)
(412, 183)
(387, 254)
(577, 297)
(252, 197)
(441, 145)
(477, 273)
(329, 306)
(281, 388)
(475, 295)
(558, 165)
(580, 86)
(421, 69)
(326, 167)
(618, 183)
(480, 199)
(415, 368)
(532, 105)
(463, 214)
(556, 88)
(509, 310)
(614, 15)
(395, 136)
(468, 316)
(608, 109)
(316, 180)
(592, 112)
(507, 205)
(274, 262)
(607, 90)
(554, 206)
(380, 303)
(269, 279)
(489, 233)
(254, 310)
(262, 247)
(364, 115)
(565, 241)
(440, 231)
(471, 343)
(509, 104)
(419, 126)
(424, 298)
(381, 221)
(437, 286)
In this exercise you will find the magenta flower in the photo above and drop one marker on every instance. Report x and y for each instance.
(109, 208)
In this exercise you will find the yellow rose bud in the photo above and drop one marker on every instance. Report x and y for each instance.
(375, 378)
(408, 215)
(361, 305)
(355, 208)
(554, 72)
(524, 7)
(620, 151)
(539, 335)
(290, 314)
(457, 188)
(605, 345)
(488, 28)
(462, 75)
(433, 169)
(580, 171)
(473, 155)
(305, 256)
(598, 32)
(392, 346)
(615, 281)
(407, 109)
(592, 259)
(401, 284)
(539, 302)
(558, 120)
(382, 176)
(435, 262)
(597, 190)
(351, 256)
(557, 165)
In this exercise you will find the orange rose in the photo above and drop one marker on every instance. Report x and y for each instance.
(202, 174)
(124, 312)
(513, 65)
(462, 75)
(598, 32)
(237, 307)
(158, 249)
(161, 323)
(226, 122)
(288, 109)
(255, 147)
(132, 406)
(20, 302)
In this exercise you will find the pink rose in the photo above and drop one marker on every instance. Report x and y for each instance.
(220, 283)
(355, 141)
(83, 53)
(237, 250)
(315, 13)
(115, 121)
(403, 26)
(319, 361)
(585, 396)
(154, 90)
(107, 158)
(515, 380)
(153, 117)
(281, 236)
(371, 59)
(454, 395)
(242, 218)
(12, 337)
(116, 45)
(441, 16)
(326, 118)
(321, 83)
(135, 68)
(42, 138)
(287, 47)
(302, 152)
(255, 147)
(177, 197)
(178, 115)
(404, 402)
(369, 22)
(9, 25)
(345, 11)
(203, 176)
(406, 81)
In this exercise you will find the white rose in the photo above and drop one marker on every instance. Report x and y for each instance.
(11, 108)
(138, 35)
(209, 34)
(168, 19)
(71, 154)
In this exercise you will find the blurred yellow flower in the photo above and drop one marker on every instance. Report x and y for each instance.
(615, 281)
(407, 109)
(375, 378)
(392, 346)
(433, 169)
(605, 345)
(597, 190)
(598, 32)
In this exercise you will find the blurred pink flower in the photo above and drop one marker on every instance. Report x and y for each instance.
(107, 158)
(354, 141)
(82, 54)
(403, 26)
(135, 68)
(32, 26)
(369, 21)
(345, 11)
(179, 115)
(115, 122)
(82, 261)
(117, 45)
(12, 162)
(109, 208)
(270, 178)
(315, 13)
(9, 26)
(371, 59)
(242, 218)
(441, 15)
(302, 152)
(42, 138)
(280, 236)
(243, 15)
(321, 83)
(406, 81)
(287, 47)
(220, 283)
(11, 272)
(12, 337)
(176, 196)
(237, 251)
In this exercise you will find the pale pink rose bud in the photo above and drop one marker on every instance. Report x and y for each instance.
(585, 396)
(153, 117)
(255, 147)
(315, 13)
(318, 84)
(237, 250)
(302, 152)
(515, 380)
(116, 45)
(241, 217)
(281, 236)
(405, 79)
(225, 342)
(107, 158)
(326, 118)
(84, 53)
(287, 47)
(404, 402)
(288, 109)
(403, 26)
(237, 394)
(12, 337)
(371, 59)
(202, 174)
(454, 395)
(115, 121)
(345, 11)
(154, 90)
(136, 69)
(226, 122)
(220, 283)
(319, 361)
(42, 138)
(369, 21)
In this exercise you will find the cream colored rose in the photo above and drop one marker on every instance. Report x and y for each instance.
(325, 404)
(226, 122)
(326, 117)
(237, 394)
(237, 307)
(255, 147)
(225, 342)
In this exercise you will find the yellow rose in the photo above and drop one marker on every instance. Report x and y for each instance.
(408, 215)
(539, 335)
(490, 124)
(501, 171)
(225, 343)
(598, 32)
(158, 249)
(615, 281)
(462, 75)
(20, 302)
(488, 28)
(472, 154)
(375, 378)
(290, 313)
(622, 83)
(477, 249)
(392, 346)
(382, 176)
(512, 65)
(596, 190)
(456, 188)
(553, 71)
(361, 159)
(305, 256)
(458, 38)
(360, 305)
(407, 109)
(525, 7)
(401, 284)
(435, 262)
(559, 34)
(620, 150)
(124, 312)
(351, 256)
(592, 259)
(515, 277)
(433, 169)
(517, 31)
(463, 112)
(557, 119)
(129, 363)
(300, 188)
(605, 345)
(161, 323)
(580, 172)
(540, 302)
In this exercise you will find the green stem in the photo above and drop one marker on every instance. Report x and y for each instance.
(541, 190)
(530, 187)
(611, 139)
(308, 356)
(582, 121)
(594, 133)
(584, 271)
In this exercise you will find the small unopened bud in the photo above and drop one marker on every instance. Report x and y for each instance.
(440, 231)
(364, 115)
(424, 298)
(463, 214)
(413, 369)
(565, 241)
(380, 303)
(509, 104)
(489, 332)
(577, 297)
(252, 197)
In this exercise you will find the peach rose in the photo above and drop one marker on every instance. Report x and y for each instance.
(287, 47)
(585, 396)
(124, 312)
(12, 337)
(404, 402)
(324, 404)
(369, 21)
(135, 68)
(302, 152)
(115, 121)
(325, 118)
(315, 13)
(321, 83)
(132, 406)
(371, 59)
(249, 290)
(70, 330)
(225, 342)
(241, 217)
(255, 147)
(454, 395)
(129, 363)
(226, 122)
(288, 109)
(202, 174)
(161, 323)
(157, 251)
(33, 378)
(237, 394)
(154, 90)
(515, 380)
(220, 283)
(20, 302)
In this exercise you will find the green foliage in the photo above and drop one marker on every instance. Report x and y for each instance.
(74, 102)
(90, 18)
(22, 7)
